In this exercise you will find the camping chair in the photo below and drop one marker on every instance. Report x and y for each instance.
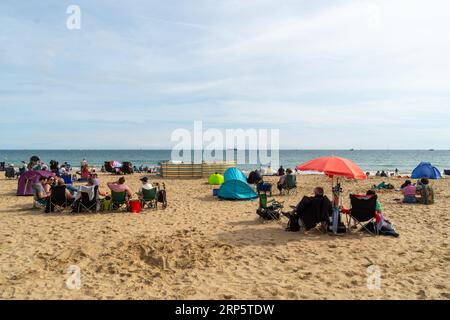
(290, 184)
(119, 200)
(363, 209)
(86, 204)
(269, 210)
(57, 200)
(149, 198)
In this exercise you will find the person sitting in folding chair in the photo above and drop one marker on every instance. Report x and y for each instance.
(60, 197)
(147, 194)
(40, 196)
(287, 182)
(120, 193)
(366, 208)
(88, 198)
(310, 212)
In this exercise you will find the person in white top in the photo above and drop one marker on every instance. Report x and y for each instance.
(145, 184)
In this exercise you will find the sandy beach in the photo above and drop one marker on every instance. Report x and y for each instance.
(203, 248)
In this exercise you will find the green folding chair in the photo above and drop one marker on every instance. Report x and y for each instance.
(290, 184)
(119, 200)
(149, 198)
(269, 209)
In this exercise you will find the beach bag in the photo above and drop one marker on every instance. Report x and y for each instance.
(293, 224)
(106, 205)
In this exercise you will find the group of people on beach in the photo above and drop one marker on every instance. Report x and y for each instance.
(42, 190)
(421, 192)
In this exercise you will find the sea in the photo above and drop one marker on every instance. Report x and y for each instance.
(368, 160)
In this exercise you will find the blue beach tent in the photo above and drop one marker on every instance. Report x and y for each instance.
(235, 186)
(426, 170)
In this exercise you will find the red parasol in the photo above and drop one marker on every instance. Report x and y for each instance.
(334, 167)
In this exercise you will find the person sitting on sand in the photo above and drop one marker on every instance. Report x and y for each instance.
(383, 174)
(281, 171)
(383, 225)
(377, 174)
(120, 186)
(409, 192)
(311, 211)
(39, 194)
(146, 185)
(425, 192)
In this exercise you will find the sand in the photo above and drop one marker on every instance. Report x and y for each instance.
(202, 248)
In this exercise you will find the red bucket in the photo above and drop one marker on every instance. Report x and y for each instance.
(135, 206)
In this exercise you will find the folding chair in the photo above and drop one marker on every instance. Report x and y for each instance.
(363, 209)
(149, 198)
(290, 184)
(57, 199)
(85, 203)
(119, 200)
(269, 209)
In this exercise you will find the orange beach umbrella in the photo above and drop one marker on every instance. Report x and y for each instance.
(334, 167)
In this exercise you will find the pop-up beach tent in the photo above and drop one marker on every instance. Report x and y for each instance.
(28, 179)
(235, 186)
(426, 170)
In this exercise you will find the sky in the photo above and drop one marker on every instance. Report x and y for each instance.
(328, 74)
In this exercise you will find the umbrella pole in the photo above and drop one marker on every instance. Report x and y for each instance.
(336, 196)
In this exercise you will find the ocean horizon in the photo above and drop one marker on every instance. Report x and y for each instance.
(368, 159)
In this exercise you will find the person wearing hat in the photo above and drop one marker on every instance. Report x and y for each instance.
(145, 185)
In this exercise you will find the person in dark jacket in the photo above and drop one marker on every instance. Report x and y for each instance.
(254, 177)
(311, 211)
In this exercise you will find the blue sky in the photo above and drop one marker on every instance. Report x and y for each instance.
(328, 74)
